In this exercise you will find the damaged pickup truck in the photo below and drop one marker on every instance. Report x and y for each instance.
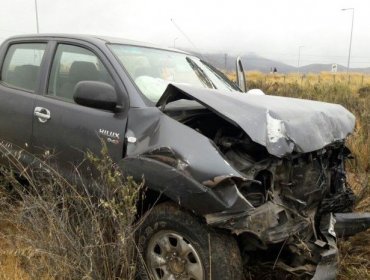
(233, 178)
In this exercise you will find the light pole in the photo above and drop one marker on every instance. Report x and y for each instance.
(350, 40)
(37, 18)
(299, 57)
(174, 42)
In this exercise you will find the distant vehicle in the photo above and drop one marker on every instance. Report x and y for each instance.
(231, 176)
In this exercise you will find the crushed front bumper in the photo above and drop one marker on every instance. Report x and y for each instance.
(313, 251)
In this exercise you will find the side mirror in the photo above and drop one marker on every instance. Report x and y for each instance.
(240, 75)
(95, 95)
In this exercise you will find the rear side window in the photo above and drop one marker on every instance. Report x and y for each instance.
(71, 65)
(21, 66)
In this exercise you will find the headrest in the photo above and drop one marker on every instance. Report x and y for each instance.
(83, 71)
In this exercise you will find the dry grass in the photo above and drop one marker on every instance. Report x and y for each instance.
(52, 229)
(355, 79)
(355, 257)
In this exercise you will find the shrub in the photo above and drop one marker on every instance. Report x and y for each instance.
(60, 230)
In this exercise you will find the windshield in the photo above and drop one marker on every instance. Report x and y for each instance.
(153, 69)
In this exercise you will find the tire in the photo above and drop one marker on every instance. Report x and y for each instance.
(173, 241)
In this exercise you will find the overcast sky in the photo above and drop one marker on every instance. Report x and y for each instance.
(269, 28)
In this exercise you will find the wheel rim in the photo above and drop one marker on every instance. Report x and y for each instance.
(170, 256)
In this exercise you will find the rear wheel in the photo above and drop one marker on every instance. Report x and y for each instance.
(177, 245)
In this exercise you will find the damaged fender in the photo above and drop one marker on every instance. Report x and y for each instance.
(183, 189)
(175, 160)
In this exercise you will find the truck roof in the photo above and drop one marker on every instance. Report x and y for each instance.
(94, 39)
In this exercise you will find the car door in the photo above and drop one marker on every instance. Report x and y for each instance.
(19, 81)
(66, 130)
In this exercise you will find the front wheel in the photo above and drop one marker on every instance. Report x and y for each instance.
(177, 245)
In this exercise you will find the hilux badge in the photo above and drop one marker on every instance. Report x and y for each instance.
(110, 134)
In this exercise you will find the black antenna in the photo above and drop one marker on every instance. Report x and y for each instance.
(187, 37)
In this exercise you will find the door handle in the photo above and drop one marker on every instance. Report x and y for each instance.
(42, 114)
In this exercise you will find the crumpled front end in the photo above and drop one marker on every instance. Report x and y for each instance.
(253, 168)
(292, 221)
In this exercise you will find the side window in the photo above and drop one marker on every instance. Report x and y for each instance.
(21, 66)
(72, 65)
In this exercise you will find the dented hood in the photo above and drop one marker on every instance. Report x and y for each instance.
(281, 124)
